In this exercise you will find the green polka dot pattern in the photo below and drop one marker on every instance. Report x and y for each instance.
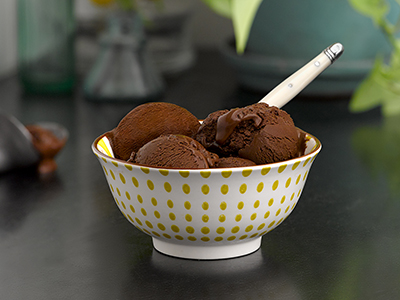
(207, 207)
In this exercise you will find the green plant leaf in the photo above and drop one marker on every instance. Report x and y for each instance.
(243, 14)
(391, 105)
(369, 93)
(375, 9)
(381, 87)
(221, 7)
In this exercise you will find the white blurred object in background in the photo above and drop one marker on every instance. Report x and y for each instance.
(208, 30)
(168, 31)
(8, 37)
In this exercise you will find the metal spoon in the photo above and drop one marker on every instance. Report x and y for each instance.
(16, 148)
(295, 83)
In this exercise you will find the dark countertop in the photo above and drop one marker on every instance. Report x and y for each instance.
(62, 236)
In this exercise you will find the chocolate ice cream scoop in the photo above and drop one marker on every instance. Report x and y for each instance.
(147, 122)
(258, 132)
(274, 143)
(174, 151)
(231, 162)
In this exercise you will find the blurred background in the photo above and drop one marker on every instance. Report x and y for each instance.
(97, 45)
(207, 30)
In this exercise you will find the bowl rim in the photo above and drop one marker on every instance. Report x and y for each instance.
(316, 149)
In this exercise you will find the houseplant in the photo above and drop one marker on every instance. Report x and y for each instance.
(286, 34)
(242, 14)
(382, 85)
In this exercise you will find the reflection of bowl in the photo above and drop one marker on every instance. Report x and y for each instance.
(206, 213)
(254, 276)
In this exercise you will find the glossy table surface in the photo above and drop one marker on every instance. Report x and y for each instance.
(62, 236)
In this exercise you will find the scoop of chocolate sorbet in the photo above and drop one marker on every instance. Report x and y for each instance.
(174, 151)
(147, 122)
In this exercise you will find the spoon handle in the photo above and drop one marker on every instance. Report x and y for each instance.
(295, 83)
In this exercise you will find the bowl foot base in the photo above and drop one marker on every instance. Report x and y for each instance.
(207, 252)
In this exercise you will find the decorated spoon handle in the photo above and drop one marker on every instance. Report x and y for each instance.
(295, 83)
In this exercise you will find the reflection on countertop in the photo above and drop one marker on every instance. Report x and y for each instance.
(253, 276)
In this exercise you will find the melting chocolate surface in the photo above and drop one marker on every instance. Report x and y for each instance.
(227, 123)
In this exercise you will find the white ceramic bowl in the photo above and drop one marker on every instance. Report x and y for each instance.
(206, 213)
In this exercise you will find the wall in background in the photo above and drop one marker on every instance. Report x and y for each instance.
(208, 29)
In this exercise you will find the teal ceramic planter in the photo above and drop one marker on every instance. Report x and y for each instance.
(286, 34)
